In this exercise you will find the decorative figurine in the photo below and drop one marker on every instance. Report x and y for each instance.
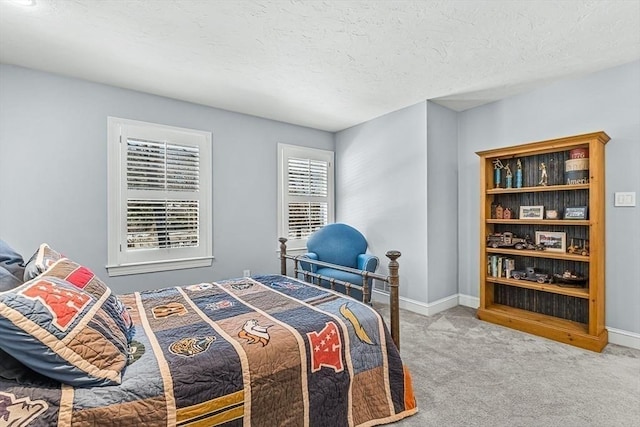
(569, 278)
(497, 165)
(499, 211)
(543, 174)
(551, 214)
(506, 240)
(507, 213)
(580, 249)
(532, 274)
(509, 176)
(519, 174)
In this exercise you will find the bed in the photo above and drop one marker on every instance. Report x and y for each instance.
(265, 350)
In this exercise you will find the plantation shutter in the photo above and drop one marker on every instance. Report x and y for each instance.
(305, 192)
(160, 195)
(163, 205)
(308, 188)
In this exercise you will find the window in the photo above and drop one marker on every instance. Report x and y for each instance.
(305, 192)
(159, 203)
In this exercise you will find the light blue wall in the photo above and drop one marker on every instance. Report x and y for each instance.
(608, 100)
(396, 179)
(442, 202)
(381, 187)
(391, 172)
(53, 173)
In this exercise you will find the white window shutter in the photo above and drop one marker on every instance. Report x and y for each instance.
(164, 204)
(162, 224)
(305, 192)
(158, 170)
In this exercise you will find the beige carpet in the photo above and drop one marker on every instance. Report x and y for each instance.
(472, 373)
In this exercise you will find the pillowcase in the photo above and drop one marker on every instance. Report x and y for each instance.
(40, 261)
(83, 278)
(62, 332)
(11, 267)
(7, 280)
(12, 370)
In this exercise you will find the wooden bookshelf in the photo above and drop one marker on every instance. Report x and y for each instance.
(572, 315)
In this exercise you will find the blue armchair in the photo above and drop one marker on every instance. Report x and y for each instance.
(343, 245)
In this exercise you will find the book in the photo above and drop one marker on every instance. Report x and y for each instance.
(494, 265)
(509, 267)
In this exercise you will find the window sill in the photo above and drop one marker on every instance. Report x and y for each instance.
(156, 266)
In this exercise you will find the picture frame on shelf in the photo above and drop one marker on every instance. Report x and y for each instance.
(553, 241)
(531, 212)
(575, 212)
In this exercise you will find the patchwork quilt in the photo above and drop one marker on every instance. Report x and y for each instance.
(262, 351)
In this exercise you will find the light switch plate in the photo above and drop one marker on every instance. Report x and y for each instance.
(625, 198)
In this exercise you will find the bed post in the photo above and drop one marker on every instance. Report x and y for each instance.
(394, 281)
(283, 252)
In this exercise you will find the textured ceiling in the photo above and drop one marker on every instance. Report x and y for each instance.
(324, 64)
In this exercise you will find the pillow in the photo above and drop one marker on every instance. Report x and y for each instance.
(11, 267)
(12, 370)
(7, 280)
(83, 278)
(40, 261)
(62, 332)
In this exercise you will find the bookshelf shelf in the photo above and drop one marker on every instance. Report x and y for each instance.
(539, 254)
(563, 187)
(546, 287)
(564, 222)
(567, 314)
(542, 319)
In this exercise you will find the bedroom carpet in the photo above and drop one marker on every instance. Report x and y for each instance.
(472, 373)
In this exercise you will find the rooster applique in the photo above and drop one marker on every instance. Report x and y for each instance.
(254, 333)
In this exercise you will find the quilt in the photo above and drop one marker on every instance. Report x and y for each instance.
(261, 351)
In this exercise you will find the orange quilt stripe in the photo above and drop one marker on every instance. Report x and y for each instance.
(409, 397)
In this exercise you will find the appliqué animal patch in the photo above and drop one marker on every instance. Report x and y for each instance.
(200, 287)
(214, 306)
(254, 333)
(169, 309)
(136, 350)
(192, 346)
(241, 286)
(19, 412)
(326, 348)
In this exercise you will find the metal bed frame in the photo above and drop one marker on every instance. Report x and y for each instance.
(393, 280)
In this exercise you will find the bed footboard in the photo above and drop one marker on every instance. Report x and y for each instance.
(393, 280)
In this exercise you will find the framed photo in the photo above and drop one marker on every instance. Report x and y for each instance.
(531, 212)
(553, 241)
(576, 212)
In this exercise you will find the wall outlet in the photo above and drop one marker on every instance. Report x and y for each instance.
(625, 198)
(246, 273)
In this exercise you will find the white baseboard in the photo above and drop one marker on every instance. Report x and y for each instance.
(427, 309)
(616, 336)
(468, 301)
(624, 338)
